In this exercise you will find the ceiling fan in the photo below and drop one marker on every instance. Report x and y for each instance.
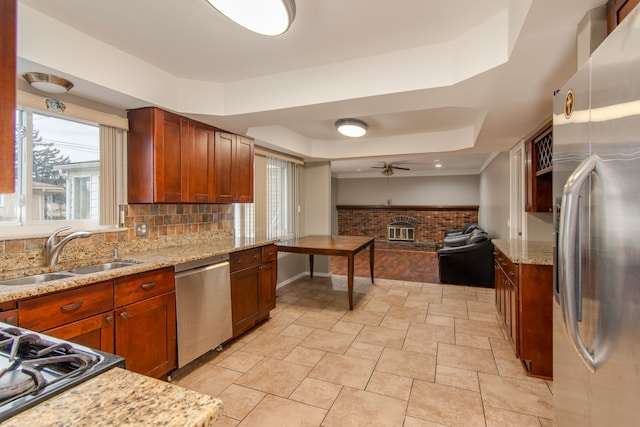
(388, 168)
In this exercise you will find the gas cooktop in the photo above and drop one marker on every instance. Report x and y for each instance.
(35, 367)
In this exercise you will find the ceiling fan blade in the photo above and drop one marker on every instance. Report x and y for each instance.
(398, 167)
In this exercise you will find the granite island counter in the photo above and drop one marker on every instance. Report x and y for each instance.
(119, 397)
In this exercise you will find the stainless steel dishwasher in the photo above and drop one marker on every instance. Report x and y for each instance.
(203, 306)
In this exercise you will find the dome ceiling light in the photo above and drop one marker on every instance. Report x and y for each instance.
(48, 82)
(267, 17)
(353, 128)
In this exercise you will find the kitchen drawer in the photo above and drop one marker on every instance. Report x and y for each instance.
(138, 287)
(510, 269)
(269, 253)
(244, 259)
(57, 309)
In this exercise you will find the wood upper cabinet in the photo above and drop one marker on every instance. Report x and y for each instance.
(233, 168)
(617, 10)
(172, 159)
(538, 171)
(7, 95)
(157, 156)
(201, 165)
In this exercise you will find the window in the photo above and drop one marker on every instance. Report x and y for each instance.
(57, 171)
(274, 213)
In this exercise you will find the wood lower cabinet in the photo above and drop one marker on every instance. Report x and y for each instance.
(95, 332)
(10, 317)
(133, 316)
(146, 335)
(253, 284)
(523, 296)
(145, 329)
(506, 288)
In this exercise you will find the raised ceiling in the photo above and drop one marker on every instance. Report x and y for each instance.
(454, 81)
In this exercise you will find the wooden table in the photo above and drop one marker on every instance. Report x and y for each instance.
(333, 246)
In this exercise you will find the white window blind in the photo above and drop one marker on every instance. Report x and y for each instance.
(274, 213)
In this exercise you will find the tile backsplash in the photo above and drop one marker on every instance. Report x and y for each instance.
(169, 225)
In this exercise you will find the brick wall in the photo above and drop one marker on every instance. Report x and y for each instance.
(433, 221)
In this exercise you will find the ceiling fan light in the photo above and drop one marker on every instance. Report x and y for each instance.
(387, 172)
(267, 17)
(353, 128)
(48, 82)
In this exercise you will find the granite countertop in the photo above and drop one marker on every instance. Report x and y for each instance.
(148, 260)
(119, 397)
(526, 251)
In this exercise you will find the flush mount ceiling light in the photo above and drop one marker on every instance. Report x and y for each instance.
(267, 17)
(352, 127)
(48, 82)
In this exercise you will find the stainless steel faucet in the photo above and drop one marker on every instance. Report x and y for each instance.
(52, 249)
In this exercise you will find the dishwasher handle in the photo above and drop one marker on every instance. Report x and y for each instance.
(201, 269)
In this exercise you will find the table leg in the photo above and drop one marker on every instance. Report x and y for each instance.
(350, 279)
(371, 261)
(311, 264)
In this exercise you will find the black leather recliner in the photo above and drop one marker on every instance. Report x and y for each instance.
(469, 263)
(459, 237)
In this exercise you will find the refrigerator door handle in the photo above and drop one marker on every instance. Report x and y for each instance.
(567, 257)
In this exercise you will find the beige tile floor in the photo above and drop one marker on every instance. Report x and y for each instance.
(409, 354)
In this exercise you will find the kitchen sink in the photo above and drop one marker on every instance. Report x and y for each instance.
(47, 277)
(37, 279)
(103, 267)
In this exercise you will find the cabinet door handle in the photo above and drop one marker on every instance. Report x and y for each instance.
(238, 261)
(11, 320)
(254, 257)
(72, 306)
(124, 315)
(109, 319)
(511, 273)
(147, 286)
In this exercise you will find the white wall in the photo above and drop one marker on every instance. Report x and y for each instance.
(420, 191)
(540, 226)
(494, 197)
(317, 207)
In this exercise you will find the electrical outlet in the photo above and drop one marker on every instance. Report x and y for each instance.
(141, 229)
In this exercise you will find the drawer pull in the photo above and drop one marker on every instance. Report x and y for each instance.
(147, 286)
(238, 260)
(70, 307)
(270, 253)
(124, 315)
(254, 257)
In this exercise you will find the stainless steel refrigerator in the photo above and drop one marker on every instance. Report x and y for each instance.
(596, 185)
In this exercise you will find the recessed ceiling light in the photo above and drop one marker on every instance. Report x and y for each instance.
(48, 82)
(267, 17)
(438, 165)
(353, 128)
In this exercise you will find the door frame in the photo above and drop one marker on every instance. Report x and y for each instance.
(517, 214)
